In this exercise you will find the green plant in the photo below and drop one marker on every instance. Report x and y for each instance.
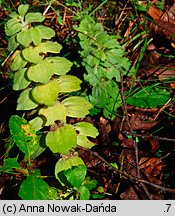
(103, 58)
(46, 88)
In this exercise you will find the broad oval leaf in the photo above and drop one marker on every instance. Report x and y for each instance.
(37, 123)
(35, 35)
(87, 129)
(62, 139)
(35, 188)
(76, 175)
(11, 22)
(149, 97)
(42, 72)
(14, 28)
(20, 80)
(46, 94)
(18, 61)
(24, 135)
(12, 43)
(84, 193)
(34, 17)
(69, 83)
(32, 55)
(22, 9)
(24, 37)
(46, 32)
(25, 101)
(83, 141)
(68, 163)
(53, 113)
(51, 47)
(61, 65)
(76, 106)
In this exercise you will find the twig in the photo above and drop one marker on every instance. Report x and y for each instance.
(147, 137)
(162, 108)
(126, 175)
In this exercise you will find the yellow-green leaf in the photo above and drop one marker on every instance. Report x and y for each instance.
(25, 101)
(46, 32)
(77, 107)
(87, 129)
(42, 72)
(53, 113)
(46, 94)
(22, 9)
(68, 83)
(20, 80)
(37, 123)
(60, 64)
(18, 61)
(24, 37)
(34, 17)
(32, 55)
(83, 141)
(62, 139)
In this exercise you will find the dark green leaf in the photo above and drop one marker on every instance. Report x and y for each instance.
(24, 135)
(84, 193)
(76, 175)
(149, 97)
(34, 188)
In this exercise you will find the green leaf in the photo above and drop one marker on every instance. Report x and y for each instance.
(37, 152)
(24, 37)
(84, 193)
(10, 164)
(46, 32)
(34, 17)
(24, 135)
(12, 43)
(32, 55)
(25, 101)
(76, 175)
(12, 27)
(46, 94)
(18, 61)
(90, 184)
(42, 72)
(36, 36)
(62, 139)
(20, 80)
(68, 163)
(83, 141)
(53, 113)
(35, 188)
(76, 106)
(68, 83)
(106, 95)
(60, 64)
(37, 123)
(22, 9)
(11, 22)
(52, 47)
(149, 97)
(87, 129)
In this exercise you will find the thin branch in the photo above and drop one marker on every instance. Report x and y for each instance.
(148, 137)
(126, 175)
